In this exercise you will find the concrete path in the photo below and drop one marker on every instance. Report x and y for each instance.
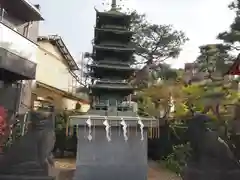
(66, 167)
(156, 172)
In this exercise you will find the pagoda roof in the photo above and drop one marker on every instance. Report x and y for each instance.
(235, 67)
(117, 31)
(111, 66)
(113, 48)
(113, 13)
(113, 86)
(114, 62)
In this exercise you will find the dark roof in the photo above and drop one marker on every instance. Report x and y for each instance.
(58, 42)
(118, 49)
(22, 9)
(109, 66)
(117, 31)
(235, 67)
(64, 93)
(113, 13)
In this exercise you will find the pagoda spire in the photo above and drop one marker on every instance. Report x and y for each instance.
(114, 5)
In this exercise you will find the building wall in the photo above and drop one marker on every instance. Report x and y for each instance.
(59, 101)
(29, 29)
(19, 38)
(26, 91)
(69, 103)
(46, 94)
(52, 69)
(84, 107)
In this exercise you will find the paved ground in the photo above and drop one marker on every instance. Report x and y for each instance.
(66, 169)
(155, 172)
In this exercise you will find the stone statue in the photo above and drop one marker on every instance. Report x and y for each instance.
(31, 155)
(211, 158)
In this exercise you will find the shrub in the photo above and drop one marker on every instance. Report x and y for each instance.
(178, 158)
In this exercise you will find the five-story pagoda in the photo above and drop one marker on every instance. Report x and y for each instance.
(112, 138)
(112, 58)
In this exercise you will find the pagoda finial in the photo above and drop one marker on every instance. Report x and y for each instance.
(114, 4)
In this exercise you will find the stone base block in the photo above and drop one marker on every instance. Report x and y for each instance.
(118, 159)
(123, 172)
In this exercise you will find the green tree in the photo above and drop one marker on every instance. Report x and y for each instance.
(214, 57)
(155, 43)
(232, 36)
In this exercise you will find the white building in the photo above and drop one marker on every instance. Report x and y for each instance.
(18, 46)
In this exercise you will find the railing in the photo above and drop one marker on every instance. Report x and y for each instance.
(17, 63)
(114, 43)
(107, 81)
(117, 105)
(114, 62)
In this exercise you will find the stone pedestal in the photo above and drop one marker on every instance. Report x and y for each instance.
(118, 159)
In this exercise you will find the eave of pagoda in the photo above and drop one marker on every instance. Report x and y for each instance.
(115, 61)
(113, 14)
(112, 86)
(120, 38)
(116, 31)
(116, 49)
(117, 44)
(112, 67)
(114, 18)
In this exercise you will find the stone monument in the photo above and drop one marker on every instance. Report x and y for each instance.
(30, 157)
(212, 159)
(112, 138)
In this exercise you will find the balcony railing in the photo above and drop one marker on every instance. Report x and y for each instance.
(17, 64)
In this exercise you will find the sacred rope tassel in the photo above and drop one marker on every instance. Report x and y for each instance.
(89, 124)
(141, 128)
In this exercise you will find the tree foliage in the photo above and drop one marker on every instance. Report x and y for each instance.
(213, 96)
(233, 35)
(155, 43)
(209, 91)
(214, 57)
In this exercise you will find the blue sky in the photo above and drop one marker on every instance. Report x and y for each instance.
(201, 20)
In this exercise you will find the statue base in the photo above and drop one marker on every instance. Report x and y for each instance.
(117, 159)
(117, 153)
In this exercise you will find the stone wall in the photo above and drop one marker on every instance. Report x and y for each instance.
(117, 159)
